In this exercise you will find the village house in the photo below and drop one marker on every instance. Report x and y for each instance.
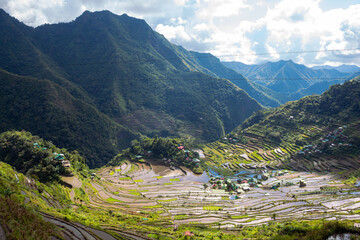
(66, 163)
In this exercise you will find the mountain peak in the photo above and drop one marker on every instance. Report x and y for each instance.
(283, 61)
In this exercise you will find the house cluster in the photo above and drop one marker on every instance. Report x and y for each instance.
(188, 159)
(56, 156)
(230, 140)
(172, 162)
(61, 157)
(239, 186)
(330, 140)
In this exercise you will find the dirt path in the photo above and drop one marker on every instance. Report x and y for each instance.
(73, 181)
(2, 234)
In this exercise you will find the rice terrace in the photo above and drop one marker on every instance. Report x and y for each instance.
(179, 119)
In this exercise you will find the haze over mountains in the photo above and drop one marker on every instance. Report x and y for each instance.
(342, 68)
(294, 80)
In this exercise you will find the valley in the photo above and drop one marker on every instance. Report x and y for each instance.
(110, 131)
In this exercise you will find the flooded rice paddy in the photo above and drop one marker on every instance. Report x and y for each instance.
(179, 195)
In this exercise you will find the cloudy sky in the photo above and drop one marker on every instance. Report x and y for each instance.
(250, 31)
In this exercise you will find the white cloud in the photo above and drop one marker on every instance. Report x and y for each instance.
(180, 2)
(201, 27)
(32, 11)
(178, 20)
(303, 25)
(173, 32)
(220, 8)
(272, 51)
(239, 28)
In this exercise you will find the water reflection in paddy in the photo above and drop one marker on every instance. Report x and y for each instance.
(183, 174)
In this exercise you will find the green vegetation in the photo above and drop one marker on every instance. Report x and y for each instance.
(155, 206)
(168, 200)
(212, 208)
(150, 88)
(290, 122)
(111, 200)
(37, 158)
(48, 110)
(172, 151)
(22, 222)
(125, 178)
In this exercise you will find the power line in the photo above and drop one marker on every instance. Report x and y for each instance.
(310, 79)
(203, 55)
(238, 79)
(294, 52)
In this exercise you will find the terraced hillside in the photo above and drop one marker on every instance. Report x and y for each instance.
(144, 200)
(318, 133)
(259, 151)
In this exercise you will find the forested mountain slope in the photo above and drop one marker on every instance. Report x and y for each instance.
(113, 72)
(49, 110)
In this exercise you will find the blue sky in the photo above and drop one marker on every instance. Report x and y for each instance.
(250, 31)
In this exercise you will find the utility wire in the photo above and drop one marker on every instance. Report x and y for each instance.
(202, 55)
(240, 79)
(297, 52)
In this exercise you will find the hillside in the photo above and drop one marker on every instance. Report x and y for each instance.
(286, 76)
(262, 94)
(314, 133)
(118, 69)
(143, 200)
(50, 111)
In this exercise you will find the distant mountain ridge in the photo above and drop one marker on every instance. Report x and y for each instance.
(286, 76)
(126, 80)
(342, 68)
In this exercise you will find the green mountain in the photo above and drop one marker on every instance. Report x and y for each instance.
(117, 78)
(262, 94)
(49, 110)
(286, 76)
(314, 133)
